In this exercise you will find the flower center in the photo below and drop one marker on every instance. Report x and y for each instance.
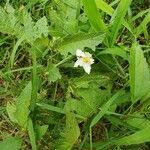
(86, 59)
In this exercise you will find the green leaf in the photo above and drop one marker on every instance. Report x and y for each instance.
(139, 74)
(104, 7)
(53, 73)
(105, 108)
(143, 25)
(86, 80)
(139, 121)
(19, 111)
(115, 51)
(41, 28)
(55, 109)
(31, 134)
(13, 143)
(68, 13)
(139, 137)
(70, 134)
(94, 16)
(11, 109)
(40, 131)
(8, 23)
(79, 41)
(118, 19)
(91, 98)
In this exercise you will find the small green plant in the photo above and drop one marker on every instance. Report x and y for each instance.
(74, 74)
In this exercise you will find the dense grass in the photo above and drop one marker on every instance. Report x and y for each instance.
(47, 103)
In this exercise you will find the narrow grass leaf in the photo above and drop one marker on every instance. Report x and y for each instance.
(31, 134)
(94, 16)
(118, 51)
(104, 7)
(105, 108)
(119, 16)
(143, 25)
(139, 137)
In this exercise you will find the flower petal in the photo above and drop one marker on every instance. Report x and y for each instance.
(91, 61)
(87, 68)
(87, 54)
(79, 53)
(77, 63)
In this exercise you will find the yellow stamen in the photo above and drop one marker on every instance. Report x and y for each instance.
(86, 59)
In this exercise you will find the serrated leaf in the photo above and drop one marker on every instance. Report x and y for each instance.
(41, 28)
(139, 74)
(79, 41)
(85, 81)
(22, 106)
(11, 109)
(8, 23)
(53, 73)
(40, 131)
(91, 99)
(68, 13)
(70, 134)
(13, 143)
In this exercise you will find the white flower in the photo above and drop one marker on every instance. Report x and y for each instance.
(85, 60)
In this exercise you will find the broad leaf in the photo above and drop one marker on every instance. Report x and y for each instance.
(13, 143)
(40, 131)
(19, 110)
(53, 73)
(70, 134)
(139, 74)
(79, 41)
(68, 13)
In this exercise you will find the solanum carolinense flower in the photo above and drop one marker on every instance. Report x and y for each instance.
(85, 60)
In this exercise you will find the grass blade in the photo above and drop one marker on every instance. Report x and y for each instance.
(118, 19)
(94, 16)
(139, 137)
(32, 134)
(105, 108)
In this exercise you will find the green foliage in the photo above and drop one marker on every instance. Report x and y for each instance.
(57, 104)
(40, 131)
(139, 74)
(53, 73)
(13, 143)
(79, 41)
(141, 136)
(118, 19)
(32, 134)
(70, 134)
(19, 111)
(94, 17)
